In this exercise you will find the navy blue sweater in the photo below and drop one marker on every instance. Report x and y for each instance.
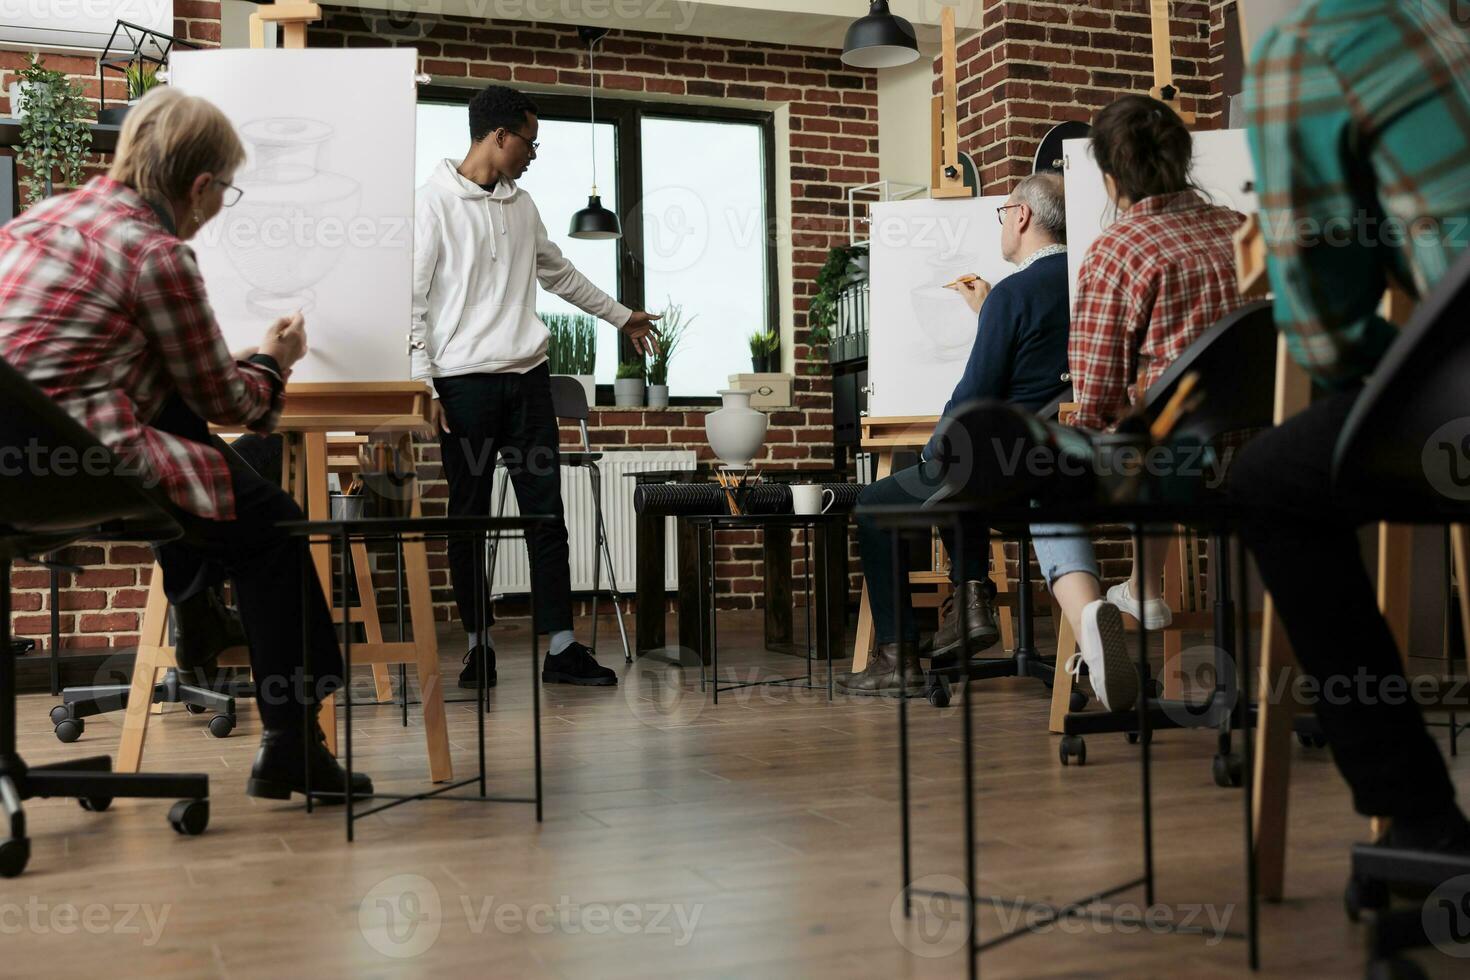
(1020, 352)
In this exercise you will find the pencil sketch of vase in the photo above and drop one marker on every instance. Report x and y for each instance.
(289, 230)
(942, 314)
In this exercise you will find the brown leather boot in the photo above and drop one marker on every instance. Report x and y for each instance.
(882, 676)
(979, 614)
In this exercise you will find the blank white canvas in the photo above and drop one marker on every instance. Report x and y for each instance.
(1222, 168)
(921, 333)
(326, 221)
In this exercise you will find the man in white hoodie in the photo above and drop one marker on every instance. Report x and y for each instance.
(479, 249)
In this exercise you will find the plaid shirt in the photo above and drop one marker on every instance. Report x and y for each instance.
(1360, 128)
(103, 308)
(1157, 279)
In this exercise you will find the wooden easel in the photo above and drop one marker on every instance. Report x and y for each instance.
(946, 179)
(883, 438)
(1164, 88)
(391, 409)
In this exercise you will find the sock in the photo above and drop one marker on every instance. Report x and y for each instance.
(560, 640)
(481, 637)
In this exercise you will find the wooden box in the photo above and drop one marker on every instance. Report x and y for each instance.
(771, 390)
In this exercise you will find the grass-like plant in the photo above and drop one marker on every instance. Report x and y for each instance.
(672, 330)
(573, 347)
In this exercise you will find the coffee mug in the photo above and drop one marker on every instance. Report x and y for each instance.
(811, 498)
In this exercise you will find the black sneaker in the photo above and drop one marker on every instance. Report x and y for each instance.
(468, 678)
(576, 665)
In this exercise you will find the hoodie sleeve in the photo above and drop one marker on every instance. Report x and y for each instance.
(426, 230)
(559, 276)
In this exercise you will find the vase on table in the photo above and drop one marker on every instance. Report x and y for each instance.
(736, 431)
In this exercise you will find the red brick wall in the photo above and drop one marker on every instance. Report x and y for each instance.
(1035, 64)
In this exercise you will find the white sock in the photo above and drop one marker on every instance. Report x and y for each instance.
(560, 640)
(476, 639)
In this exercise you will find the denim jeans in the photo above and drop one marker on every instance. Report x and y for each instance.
(1062, 549)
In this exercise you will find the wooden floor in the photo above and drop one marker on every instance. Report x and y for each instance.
(758, 838)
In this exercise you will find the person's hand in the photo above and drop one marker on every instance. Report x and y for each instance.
(641, 331)
(438, 418)
(973, 291)
(286, 340)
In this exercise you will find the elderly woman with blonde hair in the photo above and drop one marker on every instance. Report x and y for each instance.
(102, 307)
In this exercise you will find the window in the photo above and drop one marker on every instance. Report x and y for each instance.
(699, 236)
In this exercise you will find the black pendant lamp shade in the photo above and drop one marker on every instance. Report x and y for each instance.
(594, 222)
(880, 40)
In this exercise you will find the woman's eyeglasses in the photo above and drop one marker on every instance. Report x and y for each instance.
(232, 194)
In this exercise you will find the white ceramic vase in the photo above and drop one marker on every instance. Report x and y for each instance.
(628, 392)
(736, 431)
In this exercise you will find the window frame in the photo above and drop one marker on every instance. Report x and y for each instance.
(626, 116)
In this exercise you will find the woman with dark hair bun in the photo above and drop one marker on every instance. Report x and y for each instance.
(1160, 276)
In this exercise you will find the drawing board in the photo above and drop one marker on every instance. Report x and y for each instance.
(325, 220)
(1222, 168)
(921, 333)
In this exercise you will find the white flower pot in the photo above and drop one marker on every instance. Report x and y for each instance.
(658, 396)
(736, 432)
(628, 392)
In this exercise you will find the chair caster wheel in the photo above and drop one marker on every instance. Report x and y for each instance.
(1155, 688)
(1228, 771)
(1361, 894)
(189, 817)
(1073, 747)
(195, 709)
(1396, 969)
(1311, 740)
(220, 726)
(1078, 701)
(1134, 738)
(59, 714)
(936, 691)
(70, 729)
(15, 853)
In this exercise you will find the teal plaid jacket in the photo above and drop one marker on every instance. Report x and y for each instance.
(1359, 114)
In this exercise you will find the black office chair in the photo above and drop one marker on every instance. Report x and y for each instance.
(61, 485)
(569, 403)
(1405, 454)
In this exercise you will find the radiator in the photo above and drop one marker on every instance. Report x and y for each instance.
(513, 568)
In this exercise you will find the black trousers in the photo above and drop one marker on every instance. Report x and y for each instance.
(875, 545)
(1304, 538)
(510, 416)
(265, 566)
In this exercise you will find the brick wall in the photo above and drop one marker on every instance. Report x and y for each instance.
(1037, 63)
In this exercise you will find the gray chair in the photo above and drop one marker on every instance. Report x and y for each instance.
(569, 402)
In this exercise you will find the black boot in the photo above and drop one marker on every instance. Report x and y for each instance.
(468, 678)
(280, 767)
(205, 627)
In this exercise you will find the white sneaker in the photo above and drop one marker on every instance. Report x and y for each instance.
(1158, 614)
(1103, 646)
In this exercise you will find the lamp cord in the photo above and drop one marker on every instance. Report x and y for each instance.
(592, 98)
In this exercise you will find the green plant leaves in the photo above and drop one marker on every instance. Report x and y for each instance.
(54, 136)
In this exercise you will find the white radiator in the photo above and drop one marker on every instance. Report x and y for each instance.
(513, 568)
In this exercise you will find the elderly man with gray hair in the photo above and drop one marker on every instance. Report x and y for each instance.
(1019, 356)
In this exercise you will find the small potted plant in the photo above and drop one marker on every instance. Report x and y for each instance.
(573, 349)
(54, 137)
(671, 330)
(765, 346)
(628, 389)
(141, 77)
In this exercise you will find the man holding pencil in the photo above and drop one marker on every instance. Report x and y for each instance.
(1019, 356)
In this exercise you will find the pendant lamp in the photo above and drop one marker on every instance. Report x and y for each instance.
(880, 40)
(594, 222)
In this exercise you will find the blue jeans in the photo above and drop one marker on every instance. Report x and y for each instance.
(1062, 549)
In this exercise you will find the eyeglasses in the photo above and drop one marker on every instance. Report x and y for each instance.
(1000, 213)
(532, 144)
(232, 194)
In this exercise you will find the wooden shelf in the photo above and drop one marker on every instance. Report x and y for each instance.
(104, 136)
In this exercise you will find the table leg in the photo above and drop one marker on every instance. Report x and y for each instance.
(776, 548)
(651, 536)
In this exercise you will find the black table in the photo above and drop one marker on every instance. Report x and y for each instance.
(824, 527)
(397, 530)
(1143, 519)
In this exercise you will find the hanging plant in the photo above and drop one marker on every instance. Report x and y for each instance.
(54, 136)
(821, 316)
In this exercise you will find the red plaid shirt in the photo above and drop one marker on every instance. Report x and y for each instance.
(103, 309)
(1157, 279)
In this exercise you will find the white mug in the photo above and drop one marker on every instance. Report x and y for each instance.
(811, 498)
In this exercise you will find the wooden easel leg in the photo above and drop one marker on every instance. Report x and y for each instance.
(863, 642)
(426, 643)
(1395, 579)
(1277, 709)
(151, 639)
(1174, 592)
(372, 626)
(1460, 555)
(1061, 688)
(1003, 587)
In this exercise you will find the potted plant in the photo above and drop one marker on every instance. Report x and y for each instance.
(671, 330)
(628, 389)
(765, 346)
(141, 76)
(845, 264)
(54, 136)
(572, 349)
